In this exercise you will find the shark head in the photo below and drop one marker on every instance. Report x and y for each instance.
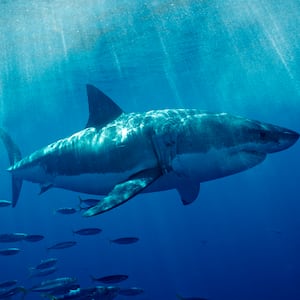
(235, 134)
(265, 138)
(224, 144)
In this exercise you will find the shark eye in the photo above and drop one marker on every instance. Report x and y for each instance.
(262, 134)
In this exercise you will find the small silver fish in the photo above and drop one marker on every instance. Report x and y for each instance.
(54, 284)
(9, 251)
(67, 210)
(42, 272)
(7, 293)
(46, 263)
(87, 203)
(7, 284)
(12, 237)
(125, 240)
(90, 293)
(4, 203)
(111, 278)
(62, 245)
(88, 231)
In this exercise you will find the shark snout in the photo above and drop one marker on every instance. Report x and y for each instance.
(280, 138)
(290, 137)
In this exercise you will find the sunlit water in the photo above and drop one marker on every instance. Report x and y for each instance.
(239, 240)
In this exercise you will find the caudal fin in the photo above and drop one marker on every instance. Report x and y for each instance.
(14, 155)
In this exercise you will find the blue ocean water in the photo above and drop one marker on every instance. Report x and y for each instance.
(240, 239)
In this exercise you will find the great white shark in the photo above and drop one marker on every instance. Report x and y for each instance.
(120, 155)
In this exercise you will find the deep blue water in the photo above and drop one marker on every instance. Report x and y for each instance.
(241, 57)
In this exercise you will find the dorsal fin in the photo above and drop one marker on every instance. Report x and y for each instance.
(102, 109)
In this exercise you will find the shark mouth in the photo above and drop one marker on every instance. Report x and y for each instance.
(253, 157)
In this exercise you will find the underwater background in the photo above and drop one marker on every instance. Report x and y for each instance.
(240, 239)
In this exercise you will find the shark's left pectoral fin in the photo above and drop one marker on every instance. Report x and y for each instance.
(124, 191)
(188, 191)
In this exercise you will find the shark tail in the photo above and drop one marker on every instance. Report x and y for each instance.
(14, 155)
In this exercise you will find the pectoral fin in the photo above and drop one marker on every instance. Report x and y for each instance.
(45, 188)
(124, 191)
(188, 191)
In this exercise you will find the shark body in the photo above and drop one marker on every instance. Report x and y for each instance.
(120, 155)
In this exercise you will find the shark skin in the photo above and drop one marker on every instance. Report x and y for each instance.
(120, 155)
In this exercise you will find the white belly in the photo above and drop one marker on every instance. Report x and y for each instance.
(97, 184)
(214, 164)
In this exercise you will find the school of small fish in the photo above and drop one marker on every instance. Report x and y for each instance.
(60, 288)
